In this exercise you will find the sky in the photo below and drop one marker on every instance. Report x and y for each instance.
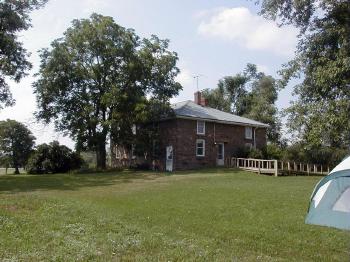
(213, 39)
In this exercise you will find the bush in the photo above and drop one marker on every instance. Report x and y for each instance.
(241, 152)
(322, 155)
(143, 166)
(273, 151)
(256, 153)
(53, 158)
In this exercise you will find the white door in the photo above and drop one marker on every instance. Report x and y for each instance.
(220, 158)
(169, 159)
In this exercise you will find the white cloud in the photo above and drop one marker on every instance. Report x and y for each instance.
(201, 14)
(249, 30)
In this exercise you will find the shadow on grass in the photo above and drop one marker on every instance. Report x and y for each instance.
(27, 183)
(216, 170)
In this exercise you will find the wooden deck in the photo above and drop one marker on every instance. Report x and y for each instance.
(275, 167)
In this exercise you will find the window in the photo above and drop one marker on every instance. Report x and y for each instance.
(200, 147)
(343, 204)
(200, 127)
(248, 132)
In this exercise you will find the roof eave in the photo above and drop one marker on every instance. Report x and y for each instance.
(262, 125)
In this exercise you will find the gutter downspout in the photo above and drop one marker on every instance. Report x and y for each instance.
(214, 135)
(255, 128)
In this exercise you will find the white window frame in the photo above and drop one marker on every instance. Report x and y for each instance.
(199, 133)
(246, 133)
(200, 141)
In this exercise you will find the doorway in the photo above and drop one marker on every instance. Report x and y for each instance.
(169, 159)
(220, 158)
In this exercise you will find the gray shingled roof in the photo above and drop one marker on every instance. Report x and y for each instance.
(189, 109)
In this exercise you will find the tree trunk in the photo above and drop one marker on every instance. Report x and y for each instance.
(101, 155)
(16, 170)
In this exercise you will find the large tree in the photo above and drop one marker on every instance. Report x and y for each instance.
(16, 143)
(320, 114)
(96, 79)
(14, 17)
(250, 94)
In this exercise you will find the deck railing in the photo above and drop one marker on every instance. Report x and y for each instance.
(276, 167)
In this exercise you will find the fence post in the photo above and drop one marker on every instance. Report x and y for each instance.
(288, 166)
(276, 167)
(308, 169)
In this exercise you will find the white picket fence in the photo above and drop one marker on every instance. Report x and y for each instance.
(275, 167)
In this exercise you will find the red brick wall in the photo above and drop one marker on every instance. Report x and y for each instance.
(182, 135)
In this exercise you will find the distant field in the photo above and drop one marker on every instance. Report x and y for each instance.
(10, 171)
(213, 215)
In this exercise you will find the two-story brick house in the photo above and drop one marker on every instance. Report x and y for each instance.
(200, 136)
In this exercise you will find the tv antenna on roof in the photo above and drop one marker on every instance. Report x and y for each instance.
(196, 77)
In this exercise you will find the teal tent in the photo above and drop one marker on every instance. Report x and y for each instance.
(330, 200)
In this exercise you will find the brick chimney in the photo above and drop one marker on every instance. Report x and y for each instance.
(199, 99)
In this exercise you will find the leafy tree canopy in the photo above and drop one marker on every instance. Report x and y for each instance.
(53, 158)
(98, 78)
(320, 115)
(16, 143)
(14, 17)
(250, 94)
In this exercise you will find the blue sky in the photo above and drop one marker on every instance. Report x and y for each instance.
(212, 38)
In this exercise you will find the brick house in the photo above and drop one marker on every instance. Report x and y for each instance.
(199, 136)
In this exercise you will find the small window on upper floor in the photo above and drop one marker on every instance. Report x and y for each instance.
(200, 128)
(248, 132)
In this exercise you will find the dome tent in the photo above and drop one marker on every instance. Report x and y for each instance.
(330, 200)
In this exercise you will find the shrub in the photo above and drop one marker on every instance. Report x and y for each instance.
(273, 151)
(143, 166)
(241, 152)
(53, 158)
(323, 155)
(256, 153)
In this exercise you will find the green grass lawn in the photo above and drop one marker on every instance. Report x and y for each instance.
(223, 215)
